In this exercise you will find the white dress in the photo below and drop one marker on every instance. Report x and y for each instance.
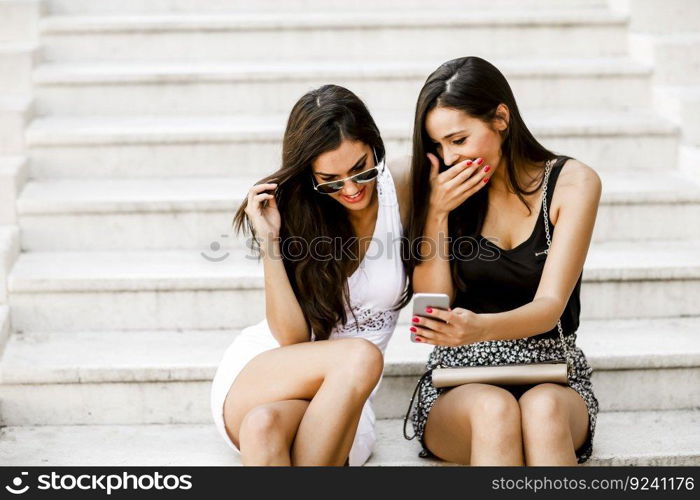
(374, 289)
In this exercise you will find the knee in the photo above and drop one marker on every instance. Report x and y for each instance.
(497, 415)
(260, 428)
(543, 411)
(362, 363)
(498, 405)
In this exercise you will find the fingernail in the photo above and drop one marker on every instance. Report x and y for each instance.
(469, 162)
(486, 180)
(413, 329)
(487, 168)
(479, 161)
(418, 339)
(428, 309)
(415, 320)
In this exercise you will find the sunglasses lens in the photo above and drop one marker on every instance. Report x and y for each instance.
(367, 176)
(361, 178)
(330, 187)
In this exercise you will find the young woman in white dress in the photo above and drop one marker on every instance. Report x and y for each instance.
(296, 388)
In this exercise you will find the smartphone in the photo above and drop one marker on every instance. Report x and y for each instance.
(423, 300)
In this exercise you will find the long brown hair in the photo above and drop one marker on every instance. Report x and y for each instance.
(318, 122)
(476, 87)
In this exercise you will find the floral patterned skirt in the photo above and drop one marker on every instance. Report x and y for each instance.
(503, 352)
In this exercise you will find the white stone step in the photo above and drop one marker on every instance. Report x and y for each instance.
(16, 64)
(170, 289)
(9, 251)
(18, 20)
(5, 327)
(220, 88)
(13, 175)
(111, 7)
(676, 16)
(132, 214)
(681, 104)
(111, 214)
(689, 161)
(635, 362)
(15, 113)
(676, 57)
(121, 377)
(388, 35)
(622, 438)
(204, 146)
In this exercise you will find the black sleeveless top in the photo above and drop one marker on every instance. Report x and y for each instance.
(501, 280)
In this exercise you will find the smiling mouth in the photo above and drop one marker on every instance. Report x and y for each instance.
(358, 196)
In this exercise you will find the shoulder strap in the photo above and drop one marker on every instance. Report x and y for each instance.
(545, 215)
(556, 166)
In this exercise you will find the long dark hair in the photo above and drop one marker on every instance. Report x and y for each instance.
(476, 87)
(318, 122)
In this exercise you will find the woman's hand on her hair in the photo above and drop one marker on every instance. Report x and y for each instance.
(462, 327)
(262, 211)
(451, 188)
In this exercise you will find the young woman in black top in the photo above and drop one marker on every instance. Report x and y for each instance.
(477, 180)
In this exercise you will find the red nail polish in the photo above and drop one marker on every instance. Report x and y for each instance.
(469, 163)
(479, 161)
(413, 329)
(415, 320)
(486, 180)
(418, 339)
(428, 309)
(487, 168)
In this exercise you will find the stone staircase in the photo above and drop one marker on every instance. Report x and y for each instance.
(131, 130)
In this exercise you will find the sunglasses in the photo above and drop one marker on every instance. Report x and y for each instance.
(360, 178)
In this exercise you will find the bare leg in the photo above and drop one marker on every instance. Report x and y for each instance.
(268, 431)
(313, 428)
(476, 424)
(554, 423)
(337, 376)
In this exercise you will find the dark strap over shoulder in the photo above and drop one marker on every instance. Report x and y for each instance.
(554, 176)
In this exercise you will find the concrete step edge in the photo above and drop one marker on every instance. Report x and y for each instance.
(157, 356)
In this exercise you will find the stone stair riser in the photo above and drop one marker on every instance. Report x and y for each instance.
(198, 229)
(682, 108)
(389, 94)
(383, 43)
(203, 158)
(13, 120)
(209, 308)
(16, 69)
(120, 7)
(675, 15)
(677, 63)
(19, 20)
(136, 402)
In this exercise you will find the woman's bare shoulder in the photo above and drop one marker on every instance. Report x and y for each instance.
(578, 185)
(575, 173)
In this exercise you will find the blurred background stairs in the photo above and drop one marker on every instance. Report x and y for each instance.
(130, 130)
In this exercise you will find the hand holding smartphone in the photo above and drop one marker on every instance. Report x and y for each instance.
(423, 300)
